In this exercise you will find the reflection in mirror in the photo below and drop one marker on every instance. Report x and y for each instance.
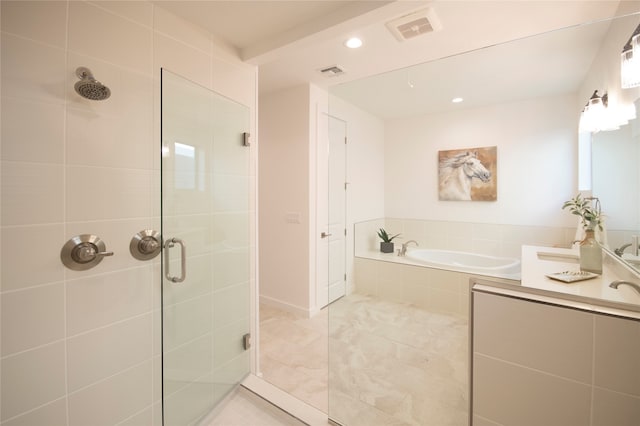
(524, 96)
(616, 182)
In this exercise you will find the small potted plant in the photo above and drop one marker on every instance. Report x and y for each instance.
(386, 245)
(590, 219)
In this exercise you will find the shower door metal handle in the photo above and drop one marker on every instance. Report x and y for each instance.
(183, 260)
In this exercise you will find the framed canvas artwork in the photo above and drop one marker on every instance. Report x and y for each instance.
(468, 174)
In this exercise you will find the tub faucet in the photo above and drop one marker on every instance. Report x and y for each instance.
(620, 250)
(403, 250)
(634, 247)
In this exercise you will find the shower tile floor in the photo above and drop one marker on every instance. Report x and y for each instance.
(390, 363)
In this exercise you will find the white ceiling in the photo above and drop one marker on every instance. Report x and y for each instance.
(291, 40)
(545, 65)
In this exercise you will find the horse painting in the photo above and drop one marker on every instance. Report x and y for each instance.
(456, 174)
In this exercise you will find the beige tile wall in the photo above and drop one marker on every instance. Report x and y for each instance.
(434, 289)
(482, 238)
(81, 348)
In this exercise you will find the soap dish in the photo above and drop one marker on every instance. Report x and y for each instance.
(572, 276)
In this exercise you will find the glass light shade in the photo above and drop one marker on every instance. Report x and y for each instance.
(583, 125)
(630, 64)
(594, 116)
(600, 115)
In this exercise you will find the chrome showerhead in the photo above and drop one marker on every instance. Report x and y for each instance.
(90, 88)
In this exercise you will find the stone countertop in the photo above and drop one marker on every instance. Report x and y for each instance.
(592, 295)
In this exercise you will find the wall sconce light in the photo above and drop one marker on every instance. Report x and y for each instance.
(600, 114)
(630, 61)
(594, 114)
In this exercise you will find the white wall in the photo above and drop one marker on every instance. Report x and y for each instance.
(284, 213)
(537, 153)
(365, 169)
(290, 145)
(83, 348)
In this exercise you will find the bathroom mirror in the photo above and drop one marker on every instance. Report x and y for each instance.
(522, 84)
(616, 183)
(573, 61)
(615, 154)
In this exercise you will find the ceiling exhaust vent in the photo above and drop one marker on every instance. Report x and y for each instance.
(415, 24)
(332, 71)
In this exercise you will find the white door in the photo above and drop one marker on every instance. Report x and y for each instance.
(331, 274)
(337, 208)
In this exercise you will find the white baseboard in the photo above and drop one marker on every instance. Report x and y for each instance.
(297, 310)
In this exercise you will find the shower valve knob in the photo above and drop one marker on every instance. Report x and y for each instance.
(146, 244)
(86, 252)
(83, 252)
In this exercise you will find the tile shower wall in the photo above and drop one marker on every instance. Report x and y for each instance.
(81, 348)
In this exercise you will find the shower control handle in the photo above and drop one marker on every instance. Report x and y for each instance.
(146, 244)
(170, 243)
(83, 252)
(86, 252)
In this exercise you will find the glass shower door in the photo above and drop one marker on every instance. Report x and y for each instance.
(205, 230)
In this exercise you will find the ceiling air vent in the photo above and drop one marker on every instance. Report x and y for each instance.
(332, 71)
(416, 24)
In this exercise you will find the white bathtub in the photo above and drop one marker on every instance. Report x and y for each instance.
(506, 267)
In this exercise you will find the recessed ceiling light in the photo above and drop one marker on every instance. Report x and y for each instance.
(353, 43)
(457, 100)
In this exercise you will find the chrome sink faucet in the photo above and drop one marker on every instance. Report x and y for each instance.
(403, 250)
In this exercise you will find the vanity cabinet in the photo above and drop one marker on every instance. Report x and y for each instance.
(548, 364)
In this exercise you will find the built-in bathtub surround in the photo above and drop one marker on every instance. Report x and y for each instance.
(439, 288)
(481, 238)
(436, 290)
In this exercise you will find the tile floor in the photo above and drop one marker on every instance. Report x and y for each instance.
(390, 363)
(294, 353)
(393, 364)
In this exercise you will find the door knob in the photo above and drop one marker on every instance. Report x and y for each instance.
(325, 235)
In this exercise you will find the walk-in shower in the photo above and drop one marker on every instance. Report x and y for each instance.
(90, 88)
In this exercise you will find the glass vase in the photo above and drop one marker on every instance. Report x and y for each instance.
(590, 253)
